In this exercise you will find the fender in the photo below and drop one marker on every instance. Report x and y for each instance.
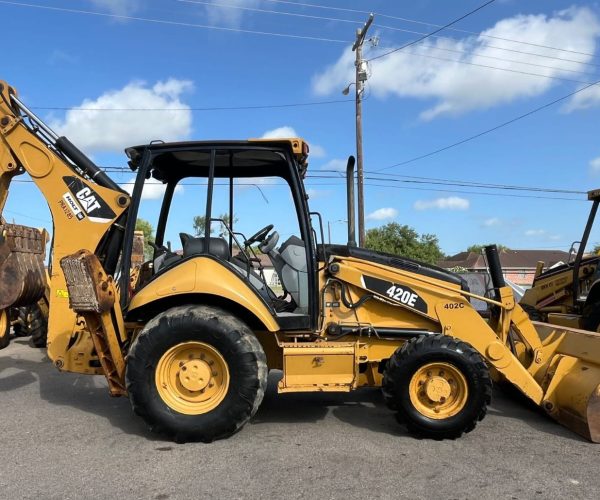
(204, 275)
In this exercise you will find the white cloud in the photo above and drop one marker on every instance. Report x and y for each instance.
(228, 15)
(336, 164)
(382, 214)
(280, 133)
(118, 7)
(595, 166)
(315, 194)
(94, 130)
(542, 234)
(589, 98)
(153, 189)
(458, 88)
(286, 132)
(492, 222)
(60, 56)
(450, 203)
(317, 151)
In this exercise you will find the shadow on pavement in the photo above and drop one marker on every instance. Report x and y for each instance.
(362, 408)
(83, 392)
(365, 408)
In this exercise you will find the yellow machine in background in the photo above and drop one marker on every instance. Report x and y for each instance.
(569, 294)
(191, 340)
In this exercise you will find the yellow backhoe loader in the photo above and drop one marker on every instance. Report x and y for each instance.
(569, 294)
(190, 341)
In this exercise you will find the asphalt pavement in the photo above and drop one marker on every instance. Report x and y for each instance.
(64, 437)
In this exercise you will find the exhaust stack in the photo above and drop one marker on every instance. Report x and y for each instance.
(350, 194)
(495, 268)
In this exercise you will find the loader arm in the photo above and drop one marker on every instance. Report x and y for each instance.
(88, 212)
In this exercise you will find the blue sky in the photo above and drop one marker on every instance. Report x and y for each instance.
(163, 54)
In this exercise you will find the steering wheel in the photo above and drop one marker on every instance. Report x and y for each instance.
(270, 243)
(259, 235)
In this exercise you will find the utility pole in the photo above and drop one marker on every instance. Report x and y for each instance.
(361, 78)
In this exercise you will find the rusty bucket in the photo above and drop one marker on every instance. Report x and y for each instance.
(22, 272)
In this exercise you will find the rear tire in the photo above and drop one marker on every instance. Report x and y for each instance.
(210, 344)
(438, 385)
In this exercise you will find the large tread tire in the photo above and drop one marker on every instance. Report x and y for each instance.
(409, 358)
(31, 321)
(37, 326)
(18, 319)
(591, 316)
(232, 338)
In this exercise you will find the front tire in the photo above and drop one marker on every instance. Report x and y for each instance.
(439, 386)
(591, 316)
(196, 373)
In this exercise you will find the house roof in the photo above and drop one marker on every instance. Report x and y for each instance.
(508, 259)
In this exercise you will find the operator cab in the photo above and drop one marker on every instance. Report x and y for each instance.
(206, 199)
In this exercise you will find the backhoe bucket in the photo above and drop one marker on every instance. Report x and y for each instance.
(22, 272)
(571, 378)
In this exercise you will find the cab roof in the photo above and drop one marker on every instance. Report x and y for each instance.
(296, 146)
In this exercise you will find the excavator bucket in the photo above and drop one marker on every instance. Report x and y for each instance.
(569, 373)
(22, 272)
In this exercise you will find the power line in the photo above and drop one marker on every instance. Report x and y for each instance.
(410, 188)
(484, 184)
(467, 184)
(172, 23)
(433, 32)
(487, 66)
(267, 11)
(27, 216)
(493, 129)
(424, 23)
(495, 47)
(414, 180)
(515, 61)
(212, 108)
(294, 14)
(502, 195)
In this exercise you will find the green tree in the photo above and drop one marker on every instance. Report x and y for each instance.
(403, 240)
(596, 249)
(199, 225)
(148, 230)
(479, 248)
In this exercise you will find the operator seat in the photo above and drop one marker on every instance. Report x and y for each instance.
(195, 246)
(220, 249)
(291, 266)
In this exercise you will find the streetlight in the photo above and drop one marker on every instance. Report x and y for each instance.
(346, 91)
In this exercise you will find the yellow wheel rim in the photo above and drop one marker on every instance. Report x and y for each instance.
(438, 390)
(192, 378)
(4, 328)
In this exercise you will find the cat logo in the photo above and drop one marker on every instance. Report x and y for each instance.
(91, 202)
(88, 200)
